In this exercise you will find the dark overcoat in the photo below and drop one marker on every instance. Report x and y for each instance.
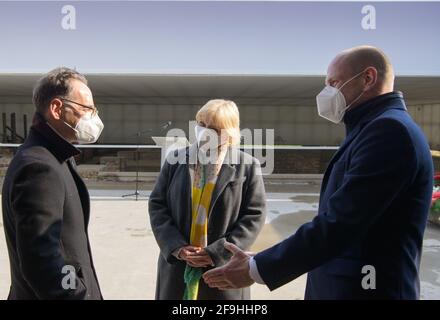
(366, 241)
(46, 209)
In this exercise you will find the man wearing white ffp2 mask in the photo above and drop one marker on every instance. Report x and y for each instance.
(383, 170)
(89, 126)
(47, 202)
(331, 102)
(74, 116)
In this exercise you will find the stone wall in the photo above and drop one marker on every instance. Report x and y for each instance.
(124, 160)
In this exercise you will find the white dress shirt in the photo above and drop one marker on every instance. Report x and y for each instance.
(253, 271)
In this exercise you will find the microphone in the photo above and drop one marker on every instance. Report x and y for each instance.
(166, 125)
(162, 127)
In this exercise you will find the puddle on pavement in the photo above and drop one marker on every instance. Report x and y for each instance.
(281, 227)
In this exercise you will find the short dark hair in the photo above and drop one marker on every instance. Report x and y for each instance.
(55, 83)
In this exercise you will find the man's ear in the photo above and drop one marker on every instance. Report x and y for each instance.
(370, 77)
(54, 110)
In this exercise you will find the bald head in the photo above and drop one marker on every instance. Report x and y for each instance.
(372, 71)
(359, 58)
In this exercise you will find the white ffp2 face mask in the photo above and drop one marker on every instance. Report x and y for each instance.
(202, 133)
(331, 102)
(209, 138)
(88, 129)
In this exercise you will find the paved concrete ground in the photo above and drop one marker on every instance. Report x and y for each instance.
(125, 251)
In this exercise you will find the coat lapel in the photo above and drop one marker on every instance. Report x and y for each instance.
(82, 191)
(226, 174)
(337, 155)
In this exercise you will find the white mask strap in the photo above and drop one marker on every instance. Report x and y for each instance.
(74, 129)
(356, 75)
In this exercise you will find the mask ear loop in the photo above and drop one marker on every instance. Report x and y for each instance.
(67, 124)
(76, 130)
(359, 96)
(363, 91)
(356, 75)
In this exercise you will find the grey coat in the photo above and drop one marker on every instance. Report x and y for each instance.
(237, 215)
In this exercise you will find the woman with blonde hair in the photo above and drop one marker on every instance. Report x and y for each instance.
(214, 193)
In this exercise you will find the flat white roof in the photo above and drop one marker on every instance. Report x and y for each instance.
(181, 89)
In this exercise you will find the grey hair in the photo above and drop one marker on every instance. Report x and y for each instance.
(56, 83)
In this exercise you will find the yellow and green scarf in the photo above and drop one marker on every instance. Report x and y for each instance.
(203, 185)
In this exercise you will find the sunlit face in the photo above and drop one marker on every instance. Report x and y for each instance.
(80, 102)
(65, 112)
(338, 73)
(222, 135)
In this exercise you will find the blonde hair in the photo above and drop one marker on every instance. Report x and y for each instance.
(221, 115)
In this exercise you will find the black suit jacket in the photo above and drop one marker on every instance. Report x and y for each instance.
(46, 209)
(373, 209)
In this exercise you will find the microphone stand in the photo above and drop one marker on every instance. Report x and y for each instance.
(136, 193)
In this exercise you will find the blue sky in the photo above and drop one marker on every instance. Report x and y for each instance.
(213, 37)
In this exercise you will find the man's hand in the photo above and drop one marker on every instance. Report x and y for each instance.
(196, 257)
(234, 274)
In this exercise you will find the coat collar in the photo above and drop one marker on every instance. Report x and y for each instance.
(60, 147)
(226, 174)
(372, 108)
(232, 156)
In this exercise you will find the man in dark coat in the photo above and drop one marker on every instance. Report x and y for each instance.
(366, 241)
(45, 202)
